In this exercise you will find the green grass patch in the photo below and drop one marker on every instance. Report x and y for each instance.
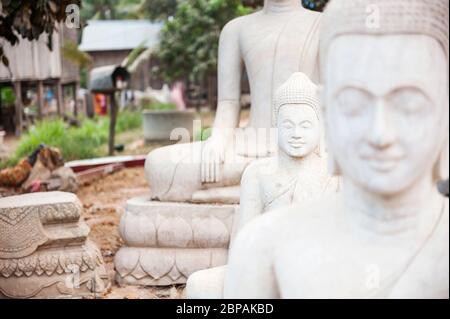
(128, 120)
(74, 142)
(160, 107)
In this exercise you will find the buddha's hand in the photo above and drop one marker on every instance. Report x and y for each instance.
(213, 155)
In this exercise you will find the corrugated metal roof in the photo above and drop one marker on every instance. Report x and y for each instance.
(31, 60)
(111, 35)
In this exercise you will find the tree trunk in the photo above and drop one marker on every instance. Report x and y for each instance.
(59, 97)
(19, 119)
(40, 99)
(112, 123)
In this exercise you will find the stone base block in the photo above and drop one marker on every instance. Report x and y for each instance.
(72, 272)
(176, 225)
(166, 242)
(164, 266)
(44, 250)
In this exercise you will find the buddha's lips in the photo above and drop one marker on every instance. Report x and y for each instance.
(296, 144)
(382, 164)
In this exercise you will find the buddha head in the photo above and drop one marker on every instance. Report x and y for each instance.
(385, 91)
(297, 118)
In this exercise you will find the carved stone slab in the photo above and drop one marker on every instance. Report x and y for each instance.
(44, 251)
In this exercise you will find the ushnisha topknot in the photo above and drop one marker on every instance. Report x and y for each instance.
(384, 17)
(298, 89)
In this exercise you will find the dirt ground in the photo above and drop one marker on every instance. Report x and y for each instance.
(104, 202)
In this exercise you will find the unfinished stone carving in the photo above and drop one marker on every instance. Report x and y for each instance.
(273, 43)
(386, 102)
(44, 251)
(297, 175)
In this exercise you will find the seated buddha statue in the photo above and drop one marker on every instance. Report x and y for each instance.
(272, 43)
(297, 174)
(386, 233)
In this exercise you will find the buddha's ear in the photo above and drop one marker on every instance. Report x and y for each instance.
(441, 167)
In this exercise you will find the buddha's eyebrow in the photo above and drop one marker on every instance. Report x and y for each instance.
(354, 86)
(415, 89)
(408, 87)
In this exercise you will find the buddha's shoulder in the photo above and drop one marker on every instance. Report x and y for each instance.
(239, 22)
(313, 14)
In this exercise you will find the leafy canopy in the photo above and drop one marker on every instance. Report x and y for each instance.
(189, 41)
(29, 19)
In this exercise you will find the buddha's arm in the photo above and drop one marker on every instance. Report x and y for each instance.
(251, 198)
(250, 274)
(228, 108)
(230, 66)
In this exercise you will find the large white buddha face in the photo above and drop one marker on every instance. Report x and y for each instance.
(299, 130)
(386, 108)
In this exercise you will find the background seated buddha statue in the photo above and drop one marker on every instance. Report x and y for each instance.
(271, 43)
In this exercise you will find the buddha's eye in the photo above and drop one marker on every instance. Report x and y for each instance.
(408, 100)
(353, 101)
(306, 124)
(287, 125)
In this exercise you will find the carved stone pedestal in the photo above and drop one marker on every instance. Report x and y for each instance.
(166, 242)
(44, 251)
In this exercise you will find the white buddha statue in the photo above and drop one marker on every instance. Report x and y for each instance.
(273, 43)
(386, 234)
(299, 172)
(296, 175)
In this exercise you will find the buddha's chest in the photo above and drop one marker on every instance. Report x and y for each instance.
(276, 47)
(280, 189)
(277, 191)
(366, 271)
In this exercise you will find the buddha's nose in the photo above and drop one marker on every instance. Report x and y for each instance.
(381, 133)
(298, 133)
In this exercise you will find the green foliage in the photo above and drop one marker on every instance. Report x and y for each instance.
(134, 54)
(160, 107)
(204, 134)
(29, 19)
(112, 9)
(316, 5)
(71, 53)
(189, 41)
(83, 78)
(8, 97)
(159, 10)
(128, 120)
(74, 142)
